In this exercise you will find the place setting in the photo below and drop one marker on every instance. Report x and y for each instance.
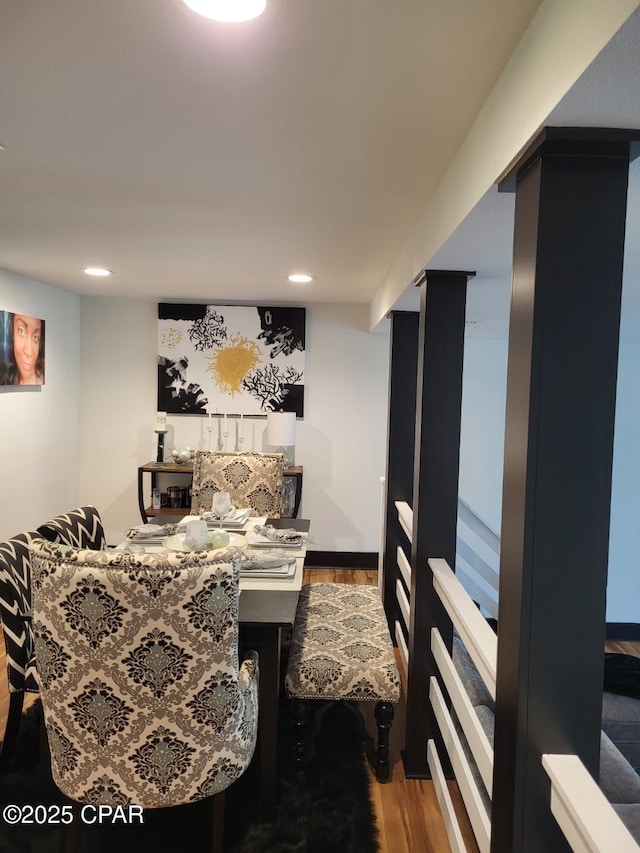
(224, 514)
(269, 536)
(261, 549)
(218, 528)
(197, 538)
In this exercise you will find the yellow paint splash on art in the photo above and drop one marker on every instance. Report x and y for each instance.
(232, 363)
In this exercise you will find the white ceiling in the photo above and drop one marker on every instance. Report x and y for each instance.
(206, 161)
(606, 95)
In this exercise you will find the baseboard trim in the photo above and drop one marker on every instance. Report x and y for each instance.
(341, 560)
(625, 631)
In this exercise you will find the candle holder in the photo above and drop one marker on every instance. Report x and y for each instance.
(241, 432)
(160, 454)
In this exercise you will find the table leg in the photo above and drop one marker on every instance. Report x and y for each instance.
(266, 641)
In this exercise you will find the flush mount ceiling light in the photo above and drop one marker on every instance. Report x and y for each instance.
(228, 10)
(97, 271)
(300, 278)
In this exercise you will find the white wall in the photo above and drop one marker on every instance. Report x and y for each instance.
(482, 451)
(39, 425)
(80, 438)
(484, 388)
(623, 590)
(340, 443)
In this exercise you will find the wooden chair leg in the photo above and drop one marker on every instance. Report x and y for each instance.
(11, 729)
(300, 719)
(218, 822)
(71, 833)
(384, 719)
(44, 759)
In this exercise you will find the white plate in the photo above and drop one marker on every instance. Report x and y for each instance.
(257, 541)
(278, 572)
(178, 543)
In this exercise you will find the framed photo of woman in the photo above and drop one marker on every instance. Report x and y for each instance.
(22, 340)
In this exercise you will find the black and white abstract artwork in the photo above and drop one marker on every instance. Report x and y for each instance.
(230, 359)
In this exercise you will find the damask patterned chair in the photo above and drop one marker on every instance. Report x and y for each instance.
(15, 613)
(341, 651)
(137, 660)
(252, 479)
(80, 528)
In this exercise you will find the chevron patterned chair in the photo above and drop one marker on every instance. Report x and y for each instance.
(80, 528)
(145, 701)
(252, 479)
(15, 612)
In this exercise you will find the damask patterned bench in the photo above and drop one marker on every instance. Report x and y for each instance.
(341, 650)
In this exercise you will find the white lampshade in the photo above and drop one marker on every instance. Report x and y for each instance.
(281, 429)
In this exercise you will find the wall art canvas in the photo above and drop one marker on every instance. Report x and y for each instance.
(230, 359)
(21, 349)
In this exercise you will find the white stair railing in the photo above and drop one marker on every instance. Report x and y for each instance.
(478, 558)
(585, 816)
(481, 644)
(405, 516)
(479, 639)
(403, 583)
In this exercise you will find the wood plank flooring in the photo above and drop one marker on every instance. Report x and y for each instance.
(621, 648)
(407, 811)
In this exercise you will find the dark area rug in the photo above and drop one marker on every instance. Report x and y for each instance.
(622, 674)
(324, 809)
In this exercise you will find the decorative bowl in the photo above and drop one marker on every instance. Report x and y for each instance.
(182, 455)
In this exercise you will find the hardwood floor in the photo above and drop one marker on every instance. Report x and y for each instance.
(407, 811)
(621, 648)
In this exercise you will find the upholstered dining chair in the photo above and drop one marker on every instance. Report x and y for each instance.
(143, 696)
(252, 479)
(15, 613)
(80, 528)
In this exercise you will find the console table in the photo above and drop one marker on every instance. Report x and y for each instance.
(153, 470)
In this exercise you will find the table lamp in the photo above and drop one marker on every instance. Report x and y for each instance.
(281, 434)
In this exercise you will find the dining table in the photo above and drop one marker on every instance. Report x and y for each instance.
(267, 608)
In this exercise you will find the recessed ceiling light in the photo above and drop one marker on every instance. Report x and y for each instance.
(228, 10)
(300, 278)
(98, 271)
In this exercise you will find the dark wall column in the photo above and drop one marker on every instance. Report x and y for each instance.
(401, 430)
(571, 188)
(435, 491)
